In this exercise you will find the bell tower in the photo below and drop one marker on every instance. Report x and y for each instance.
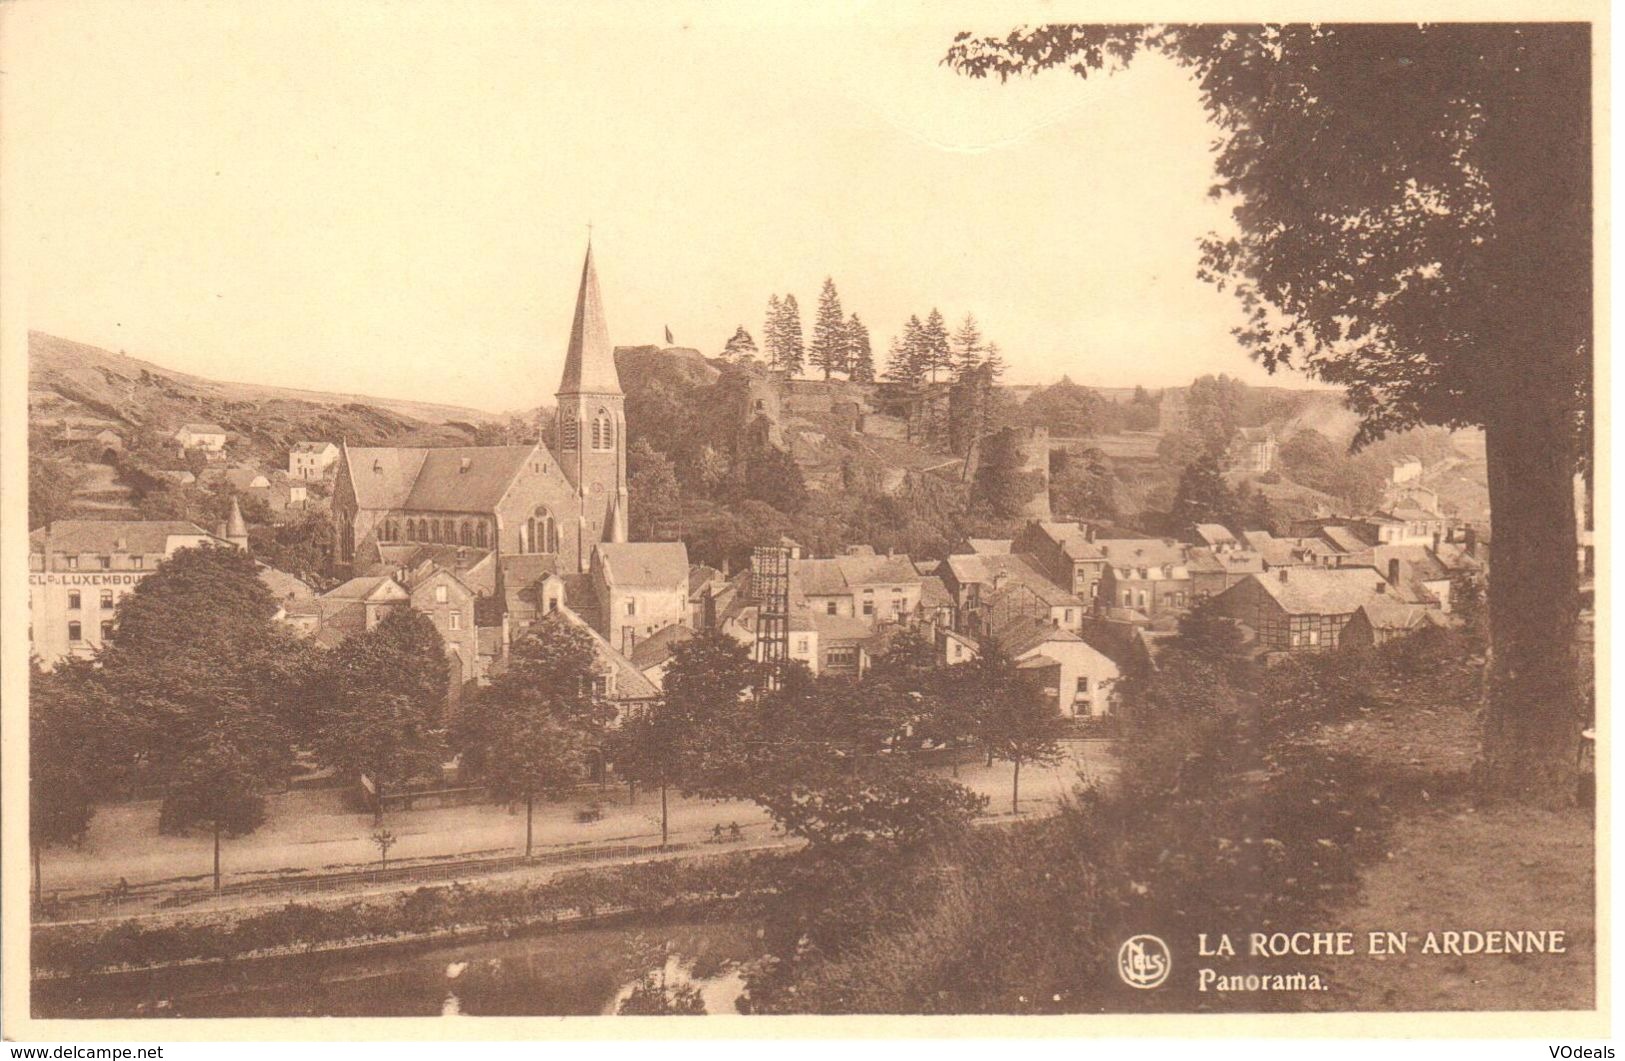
(592, 421)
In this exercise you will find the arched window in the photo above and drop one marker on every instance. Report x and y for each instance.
(541, 532)
(479, 534)
(568, 430)
(465, 534)
(448, 532)
(603, 431)
(597, 436)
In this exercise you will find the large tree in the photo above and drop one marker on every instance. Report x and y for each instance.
(860, 356)
(197, 651)
(530, 731)
(1413, 206)
(72, 742)
(792, 350)
(386, 691)
(829, 349)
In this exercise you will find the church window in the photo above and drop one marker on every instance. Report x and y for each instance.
(569, 430)
(411, 531)
(541, 532)
(465, 534)
(597, 436)
(479, 535)
(603, 431)
(448, 531)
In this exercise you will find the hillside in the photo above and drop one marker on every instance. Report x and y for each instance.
(74, 383)
(120, 387)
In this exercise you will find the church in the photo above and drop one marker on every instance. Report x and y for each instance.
(530, 508)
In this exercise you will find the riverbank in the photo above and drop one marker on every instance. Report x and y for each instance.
(425, 915)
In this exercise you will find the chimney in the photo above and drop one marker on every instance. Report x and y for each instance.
(1284, 574)
(1382, 587)
(1089, 532)
(1393, 571)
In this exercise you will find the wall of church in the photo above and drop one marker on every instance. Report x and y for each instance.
(541, 491)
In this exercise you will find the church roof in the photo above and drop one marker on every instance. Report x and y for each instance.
(442, 479)
(589, 363)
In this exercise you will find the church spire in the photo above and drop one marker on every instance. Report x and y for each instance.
(589, 364)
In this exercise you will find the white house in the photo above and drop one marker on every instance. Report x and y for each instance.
(208, 437)
(640, 588)
(311, 460)
(1077, 678)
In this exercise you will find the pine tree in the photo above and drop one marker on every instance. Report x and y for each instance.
(773, 332)
(860, 358)
(793, 352)
(829, 332)
(741, 345)
(911, 366)
(967, 347)
(937, 351)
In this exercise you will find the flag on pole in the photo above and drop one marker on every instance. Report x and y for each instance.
(669, 339)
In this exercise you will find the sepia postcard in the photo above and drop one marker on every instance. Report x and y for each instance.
(866, 519)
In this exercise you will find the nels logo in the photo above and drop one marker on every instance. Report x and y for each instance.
(1144, 962)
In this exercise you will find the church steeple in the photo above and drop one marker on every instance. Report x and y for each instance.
(592, 422)
(589, 364)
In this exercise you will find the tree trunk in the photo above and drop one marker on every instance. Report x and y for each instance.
(1533, 716)
(1015, 787)
(663, 832)
(530, 804)
(217, 858)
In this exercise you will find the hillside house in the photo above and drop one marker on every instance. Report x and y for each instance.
(209, 437)
(311, 461)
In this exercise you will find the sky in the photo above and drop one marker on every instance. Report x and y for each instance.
(393, 199)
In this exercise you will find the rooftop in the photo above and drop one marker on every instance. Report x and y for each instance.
(1321, 590)
(650, 564)
(442, 479)
(112, 536)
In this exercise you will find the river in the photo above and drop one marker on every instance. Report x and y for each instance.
(584, 972)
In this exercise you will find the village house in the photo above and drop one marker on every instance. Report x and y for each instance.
(1383, 619)
(1065, 553)
(311, 461)
(1215, 536)
(1078, 680)
(1215, 569)
(78, 570)
(989, 588)
(653, 655)
(638, 588)
(1301, 609)
(1254, 450)
(1149, 575)
(871, 588)
(211, 438)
